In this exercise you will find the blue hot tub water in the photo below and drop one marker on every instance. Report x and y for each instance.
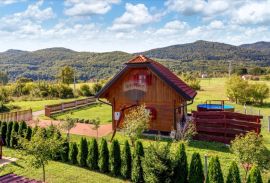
(215, 106)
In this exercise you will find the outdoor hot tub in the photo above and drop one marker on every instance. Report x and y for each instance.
(215, 107)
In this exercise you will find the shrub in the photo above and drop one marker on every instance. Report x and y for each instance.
(83, 152)
(196, 170)
(126, 161)
(254, 175)
(137, 170)
(103, 156)
(92, 158)
(73, 152)
(65, 153)
(96, 87)
(50, 131)
(115, 158)
(157, 164)
(13, 136)
(181, 165)
(28, 133)
(64, 91)
(22, 128)
(233, 175)
(4, 130)
(8, 134)
(214, 174)
(85, 90)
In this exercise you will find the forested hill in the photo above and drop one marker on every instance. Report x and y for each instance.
(199, 56)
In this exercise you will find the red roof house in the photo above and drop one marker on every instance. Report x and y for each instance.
(145, 81)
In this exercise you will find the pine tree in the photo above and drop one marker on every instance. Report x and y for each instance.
(214, 174)
(115, 158)
(65, 152)
(14, 132)
(181, 166)
(73, 152)
(4, 131)
(22, 128)
(196, 169)
(28, 133)
(103, 156)
(8, 134)
(233, 175)
(254, 175)
(83, 152)
(137, 170)
(126, 161)
(92, 158)
(57, 137)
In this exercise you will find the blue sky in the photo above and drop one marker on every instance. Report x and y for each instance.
(130, 25)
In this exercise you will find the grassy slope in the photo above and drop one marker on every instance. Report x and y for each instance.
(103, 112)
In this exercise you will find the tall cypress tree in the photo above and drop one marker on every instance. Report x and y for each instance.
(137, 170)
(28, 133)
(115, 158)
(73, 152)
(254, 175)
(65, 153)
(126, 161)
(13, 136)
(196, 169)
(233, 175)
(22, 128)
(8, 134)
(103, 156)
(180, 173)
(4, 131)
(214, 174)
(92, 158)
(83, 152)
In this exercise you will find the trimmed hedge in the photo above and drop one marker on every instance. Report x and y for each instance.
(103, 157)
(92, 158)
(233, 175)
(83, 152)
(115, 158)
(14, 132)
(4, 131)
(137, 169)
(126, 161)
(22, 129)
(65, 153)
(214, 174)
(180, 172)
(254, 175)
(196, 169)
(73, 152)
(8, 134)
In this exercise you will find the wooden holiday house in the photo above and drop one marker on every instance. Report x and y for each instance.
(145, 81)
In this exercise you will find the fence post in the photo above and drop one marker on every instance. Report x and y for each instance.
(62, 107)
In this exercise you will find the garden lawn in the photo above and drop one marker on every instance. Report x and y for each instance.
(101, 111)
(37, 105)
(56, 172)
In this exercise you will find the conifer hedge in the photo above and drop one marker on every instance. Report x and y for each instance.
(13, 136)
(137, 169)
(83, 152)
(65, 153)
(233, 175)
(126, 161)
(28, 133)
(254, 175)
(8, 134)
(103, 157)
(3, 131)
(196, 169)
(180, 172)
(73, 152)
(115, 158)
(92, 159)
(22, 128)
(214, 174)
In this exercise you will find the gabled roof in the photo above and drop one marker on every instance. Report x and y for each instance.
(164, 73)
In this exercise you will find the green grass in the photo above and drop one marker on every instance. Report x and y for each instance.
(56, 172)
(37, 105)
(101, 111)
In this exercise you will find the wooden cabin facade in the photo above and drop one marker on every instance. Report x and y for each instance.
(144, 81)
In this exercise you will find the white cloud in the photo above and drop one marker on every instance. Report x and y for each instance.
(6, 2)
(88, 7)
(172, 27)
(253, 13)
(191, 7)
(135, 15)
(216, 24)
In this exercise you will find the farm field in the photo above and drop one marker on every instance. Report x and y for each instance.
(101, 111)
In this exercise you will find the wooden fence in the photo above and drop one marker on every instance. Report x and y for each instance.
(24, 115)
(53, 109)
(224, 126)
